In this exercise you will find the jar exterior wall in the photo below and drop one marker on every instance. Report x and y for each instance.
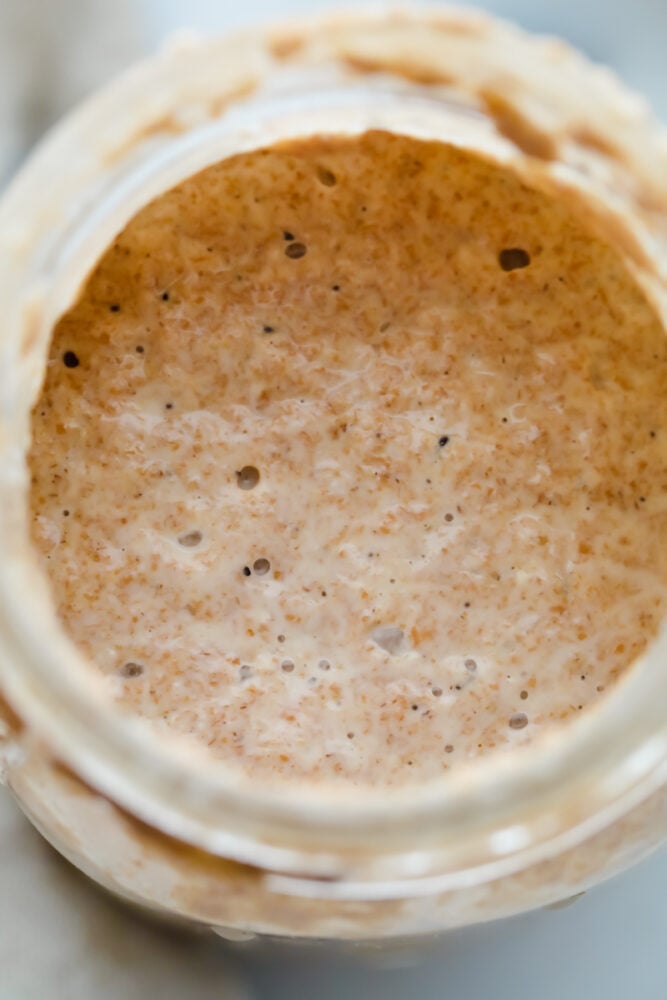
(158, 873)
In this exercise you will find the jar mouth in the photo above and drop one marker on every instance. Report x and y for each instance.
(573, 777)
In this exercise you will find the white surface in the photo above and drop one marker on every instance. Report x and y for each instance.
(59, 938)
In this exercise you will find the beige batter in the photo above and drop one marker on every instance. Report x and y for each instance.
(350, 461)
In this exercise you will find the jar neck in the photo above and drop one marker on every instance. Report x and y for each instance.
(501, 810)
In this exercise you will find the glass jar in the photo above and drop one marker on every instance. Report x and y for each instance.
(172, 830)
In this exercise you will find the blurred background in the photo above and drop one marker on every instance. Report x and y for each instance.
(59, 937)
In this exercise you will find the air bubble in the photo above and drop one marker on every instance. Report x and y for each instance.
(513, 258)
(326, 176)
(247, 477)
(190, 539)
(131, 669)
(388, 637)
(296, 250)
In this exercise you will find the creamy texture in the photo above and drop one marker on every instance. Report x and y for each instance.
(349, 461)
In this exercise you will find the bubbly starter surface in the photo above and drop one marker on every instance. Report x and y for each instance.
(350, 462)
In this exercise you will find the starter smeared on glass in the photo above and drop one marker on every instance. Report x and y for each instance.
(350, 461)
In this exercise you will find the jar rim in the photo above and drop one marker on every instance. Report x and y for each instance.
(614, 752)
